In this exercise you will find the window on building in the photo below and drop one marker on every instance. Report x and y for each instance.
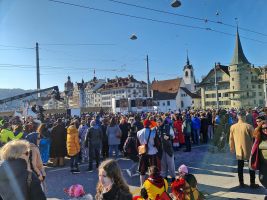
(247, 94)
(254, 94)
(192, 74)
(186, 74)
(247, 86)
(259, 86)
(182, 104)
(255, 102)
(219, 94)
(226, 94)
(158, 103)
(233, 79)
(233, 87)
(163, 103)
(168, 103)
(260, 94)
(253, 86)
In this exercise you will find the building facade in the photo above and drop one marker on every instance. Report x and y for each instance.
(176, 94)
(127, 87)
(239, 85)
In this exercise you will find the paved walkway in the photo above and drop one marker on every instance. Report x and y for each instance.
(216, 174)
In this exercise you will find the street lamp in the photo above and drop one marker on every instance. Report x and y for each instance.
(133, 37)
(176, 4)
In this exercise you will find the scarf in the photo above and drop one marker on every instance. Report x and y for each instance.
(156, 180)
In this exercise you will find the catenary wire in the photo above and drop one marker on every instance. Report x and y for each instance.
(150, 19)
(187, 16)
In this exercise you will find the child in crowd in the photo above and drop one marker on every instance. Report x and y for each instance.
(185, 186)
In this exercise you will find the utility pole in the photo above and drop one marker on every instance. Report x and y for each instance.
(264, 87)
(148, 82)
(37, 68)
(216, 87)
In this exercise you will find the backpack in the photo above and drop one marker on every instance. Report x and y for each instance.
(129, 147)
(194, 193)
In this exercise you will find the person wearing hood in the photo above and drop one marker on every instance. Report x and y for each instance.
(73, 146)
(16, 182)
(36, 164)
(93, 140)
(155, 185)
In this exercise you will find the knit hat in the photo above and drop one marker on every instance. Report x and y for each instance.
(146, 123)
(183, 169)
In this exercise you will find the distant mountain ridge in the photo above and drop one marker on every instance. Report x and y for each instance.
(5, 93)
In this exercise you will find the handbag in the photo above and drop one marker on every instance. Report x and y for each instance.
(254, 156)
(119, 133)
(143, 149)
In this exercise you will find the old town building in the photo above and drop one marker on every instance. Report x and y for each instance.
(239, 85)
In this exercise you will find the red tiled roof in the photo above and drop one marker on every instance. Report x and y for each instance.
(169, 86)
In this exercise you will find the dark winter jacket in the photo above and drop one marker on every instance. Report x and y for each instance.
(115, 193)
(263, 160)
(58, 141)
(94, 136)
(162, 131)
(17, 184)
(130, 146)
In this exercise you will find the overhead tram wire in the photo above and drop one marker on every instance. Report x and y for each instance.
(18, 47)
(187, 16)
(77, 44)
(150, 19)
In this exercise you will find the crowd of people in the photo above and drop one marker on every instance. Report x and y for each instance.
(149, 140)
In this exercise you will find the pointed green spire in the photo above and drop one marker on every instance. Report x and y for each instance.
(239, 57)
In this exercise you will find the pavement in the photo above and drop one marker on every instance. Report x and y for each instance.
(216, 174)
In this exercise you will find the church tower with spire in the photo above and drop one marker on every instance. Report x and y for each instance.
(240, 77)
(189, 76)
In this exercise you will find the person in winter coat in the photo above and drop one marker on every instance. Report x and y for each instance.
(58, 143)
(16, 182)
(130, 150)
(73, 146)
(7, 134)
(240, 142)
(155, 185)
(150, 138)
(187, 132)
(204, 127)
(82, 133)
(93, 140)
(114, 134)
(111, 184)
(196, 125)
(35, 161)
(125, 128)
(185, 186)
(167, 157)
(105, 147)
(178, 131)
(260, 134)
(44, 144)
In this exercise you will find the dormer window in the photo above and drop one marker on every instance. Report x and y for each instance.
(186, 74)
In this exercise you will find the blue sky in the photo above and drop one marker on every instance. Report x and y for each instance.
(110, 51)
